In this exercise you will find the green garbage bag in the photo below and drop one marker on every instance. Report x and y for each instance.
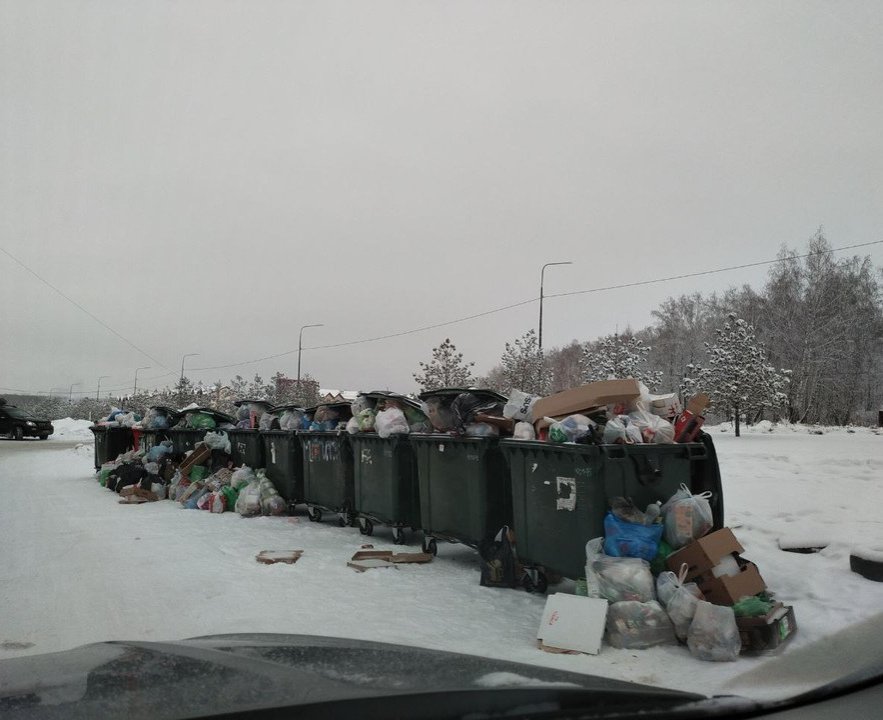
(231, 494)
(752, 606)
(198, 472)
(103, 475)
(657, 564)
(201, 421)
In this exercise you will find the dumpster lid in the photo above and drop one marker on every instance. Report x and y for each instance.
(389, 395)
(291, 406)
(165, 408)
(481, 393)
(216, 414)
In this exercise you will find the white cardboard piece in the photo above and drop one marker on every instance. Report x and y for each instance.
(573, 622)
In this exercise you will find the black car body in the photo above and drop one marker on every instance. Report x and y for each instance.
(16, 423)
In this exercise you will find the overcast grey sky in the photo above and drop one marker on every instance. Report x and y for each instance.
(206, 177)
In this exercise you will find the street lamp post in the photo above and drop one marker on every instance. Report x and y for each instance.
(146, 367)
(542, 273)
(300, 338)
(70, 393)
(182, 363)
(98, 391)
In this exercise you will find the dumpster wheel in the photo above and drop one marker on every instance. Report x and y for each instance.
(366, 527)
(315, 514)
(534, 581)
(430, 546)
(398, 536)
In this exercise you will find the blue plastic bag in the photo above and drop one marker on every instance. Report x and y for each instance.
(626, 539)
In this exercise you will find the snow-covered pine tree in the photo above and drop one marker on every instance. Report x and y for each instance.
(446, 369)
(523, 367)
(619, 356)
(738, 376)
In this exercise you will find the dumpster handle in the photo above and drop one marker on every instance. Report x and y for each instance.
(696, 451)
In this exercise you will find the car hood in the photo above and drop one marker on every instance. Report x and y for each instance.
(223, 674)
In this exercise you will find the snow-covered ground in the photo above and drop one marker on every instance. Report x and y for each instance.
(77, 567)
(68, 429)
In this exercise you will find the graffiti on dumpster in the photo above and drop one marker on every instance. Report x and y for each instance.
(324, 451)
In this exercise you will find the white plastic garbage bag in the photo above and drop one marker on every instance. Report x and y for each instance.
(217, 441)
(242, 477)
(391, 422)
(520, 406)
(713, 634)
(687, 517)
(638, 625)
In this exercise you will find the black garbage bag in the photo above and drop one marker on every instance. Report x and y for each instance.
(125, 475)
(499, 564)
(466, 405)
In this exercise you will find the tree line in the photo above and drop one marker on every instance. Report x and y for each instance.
(807, 347)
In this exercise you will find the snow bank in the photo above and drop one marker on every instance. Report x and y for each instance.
(70, 429)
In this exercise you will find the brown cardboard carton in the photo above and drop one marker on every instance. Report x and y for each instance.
(580, 399)
(729, 589)
(769, 632)
(200, 454)
(703, 554)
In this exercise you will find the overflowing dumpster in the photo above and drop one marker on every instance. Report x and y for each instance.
(193, 425)
(155, 427)
(386, 487)
(561, 492)
(328, 464)
(110, 442)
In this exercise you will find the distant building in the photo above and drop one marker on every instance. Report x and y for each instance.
(335, 396)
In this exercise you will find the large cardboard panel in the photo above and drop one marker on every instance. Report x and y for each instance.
(573, 622)
(584, 397)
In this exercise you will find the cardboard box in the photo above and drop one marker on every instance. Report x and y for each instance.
(729, 589)
(200, 454)
(369, 563)
(573, 622)
(703, 554)
(769, 632)
(271, 557)
(581, 399)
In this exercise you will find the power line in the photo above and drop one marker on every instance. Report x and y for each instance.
(708, 272)
(493, 311)
(76, 304)
(533, 300)
(379, 337)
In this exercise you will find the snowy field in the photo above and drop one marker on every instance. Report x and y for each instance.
(77, 567)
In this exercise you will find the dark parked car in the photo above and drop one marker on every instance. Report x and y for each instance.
(16, 423)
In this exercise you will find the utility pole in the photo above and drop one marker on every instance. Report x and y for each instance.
(542, 273)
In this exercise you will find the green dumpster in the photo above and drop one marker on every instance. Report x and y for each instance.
(151, 438)
(184, 437)
(110, 442)
(284, 464)
(184, 440)
(560, 493)
(465, 493)
(246, 448)
(328, 474)
(386, 486)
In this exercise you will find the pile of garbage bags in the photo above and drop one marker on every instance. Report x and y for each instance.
(651, 605)
(250, 415)
(120, 418)
(387, 414)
